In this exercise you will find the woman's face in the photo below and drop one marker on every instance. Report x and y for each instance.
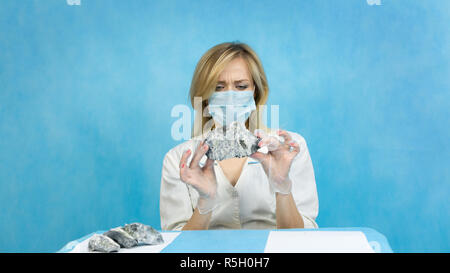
(235, 76)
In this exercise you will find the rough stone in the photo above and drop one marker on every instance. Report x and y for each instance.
(121, 237)
(102, 243)
(144, 234)
(231, 141)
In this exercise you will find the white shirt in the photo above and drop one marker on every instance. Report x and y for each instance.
(250, 204)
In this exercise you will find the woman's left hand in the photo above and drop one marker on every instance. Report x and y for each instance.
(277, 162)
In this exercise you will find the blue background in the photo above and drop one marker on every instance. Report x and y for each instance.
(86, 93)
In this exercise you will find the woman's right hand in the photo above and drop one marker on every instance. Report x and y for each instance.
(203, 179)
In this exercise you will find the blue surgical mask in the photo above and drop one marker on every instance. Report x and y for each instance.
(228, 106)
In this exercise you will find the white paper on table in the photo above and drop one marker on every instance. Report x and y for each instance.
(168, 237)
(317, 241)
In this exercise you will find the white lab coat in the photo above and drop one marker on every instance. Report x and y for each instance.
(250, 204)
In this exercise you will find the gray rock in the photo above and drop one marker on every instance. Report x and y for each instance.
(102, 243)
(121, 237)
(231, 141)
(143, 234)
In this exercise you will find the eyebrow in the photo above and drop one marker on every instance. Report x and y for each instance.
(234, 81)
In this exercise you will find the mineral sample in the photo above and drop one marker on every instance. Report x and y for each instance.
(102, 243)
(231, 141)
(121, 237)
(143, 234)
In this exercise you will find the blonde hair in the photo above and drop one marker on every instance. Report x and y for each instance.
(206, 75)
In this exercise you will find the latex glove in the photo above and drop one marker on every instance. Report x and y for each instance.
(203, 179)
(281, 151)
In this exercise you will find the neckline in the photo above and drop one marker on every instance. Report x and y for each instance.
(240, 176)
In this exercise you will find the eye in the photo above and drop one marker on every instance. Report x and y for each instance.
(219, 87)
(242, 86)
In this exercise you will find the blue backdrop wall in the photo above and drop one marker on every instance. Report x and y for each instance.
(86, 93)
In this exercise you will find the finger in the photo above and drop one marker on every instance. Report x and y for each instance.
(209, 163)
(295, 146)
(183, 166)
(202, 148)
(259, 156)
(271, 142)
(260, 133)
(263, 150)
(184, 158)
(287, 137)
(266, 141)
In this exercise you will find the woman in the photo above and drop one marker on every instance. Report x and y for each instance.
(269, 190)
